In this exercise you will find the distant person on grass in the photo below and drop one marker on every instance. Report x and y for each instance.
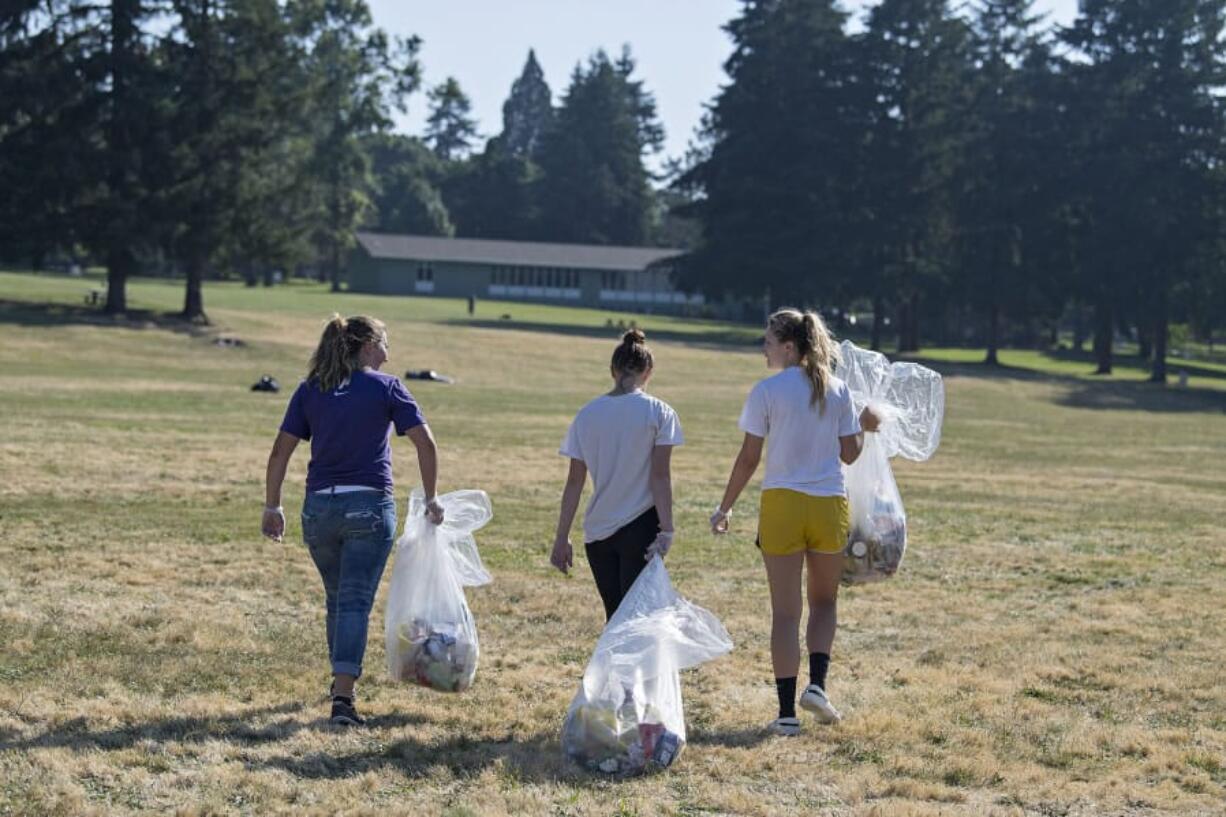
(346, 407)
(625, 439)
(808, 415)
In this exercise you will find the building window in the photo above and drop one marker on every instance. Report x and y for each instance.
(425, 272)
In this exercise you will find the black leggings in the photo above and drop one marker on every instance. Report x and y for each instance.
(617, 561)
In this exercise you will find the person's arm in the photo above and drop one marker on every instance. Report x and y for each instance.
(662, 494)
(851, 446)
(742, 471)
(273, 523)
(427, 462)
(563, 553)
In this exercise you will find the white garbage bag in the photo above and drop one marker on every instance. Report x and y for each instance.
(910, 399)
(431, 635)
(627, 716)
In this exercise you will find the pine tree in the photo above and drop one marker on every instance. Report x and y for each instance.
(527, 112)
(450, 129)
(775, 192)
(595, 187)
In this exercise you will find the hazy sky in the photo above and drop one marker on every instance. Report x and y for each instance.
(679, 46)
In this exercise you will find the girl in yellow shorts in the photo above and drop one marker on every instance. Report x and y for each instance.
(808, 415)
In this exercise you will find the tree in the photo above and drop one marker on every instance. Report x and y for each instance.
(773, 192)
(1000, 177)
(450, 130)
(920, 66)
(527, 113)
(405, 178)
(357, 76)
(595, 187)
(1153, 135)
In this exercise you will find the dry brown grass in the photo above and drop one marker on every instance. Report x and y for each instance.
(1052, 647)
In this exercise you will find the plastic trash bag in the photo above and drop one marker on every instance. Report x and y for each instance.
(627, 716)
(910, 399)
(431, 635)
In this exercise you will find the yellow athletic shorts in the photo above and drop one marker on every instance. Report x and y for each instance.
(791, 522)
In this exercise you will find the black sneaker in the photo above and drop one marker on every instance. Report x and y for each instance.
(344, 713)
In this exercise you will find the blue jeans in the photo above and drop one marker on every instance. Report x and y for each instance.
(350, 536)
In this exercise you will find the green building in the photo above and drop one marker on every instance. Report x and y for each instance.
(625, 278)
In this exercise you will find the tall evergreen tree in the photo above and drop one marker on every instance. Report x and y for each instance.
(1153, 131)
(595, 187)
(774, 193)
(527, 112)
(1000, 195)
(450, 129)
(919, 62)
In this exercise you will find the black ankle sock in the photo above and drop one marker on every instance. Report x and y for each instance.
(344, 698)
(786, 687)
(819, 662)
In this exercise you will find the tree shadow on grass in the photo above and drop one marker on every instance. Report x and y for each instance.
(29, 314)
(711, 339)
(259, 725)
(1080, 392)
(730, 738)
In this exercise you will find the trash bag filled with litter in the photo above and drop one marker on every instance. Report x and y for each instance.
(431, 635)
(910, 400)
(627, 716)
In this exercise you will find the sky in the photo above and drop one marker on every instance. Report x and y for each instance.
(679, 46)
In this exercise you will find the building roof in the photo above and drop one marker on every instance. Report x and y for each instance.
(513, 253)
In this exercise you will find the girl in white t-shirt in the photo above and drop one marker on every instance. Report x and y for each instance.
(808, 415)
(625, 439)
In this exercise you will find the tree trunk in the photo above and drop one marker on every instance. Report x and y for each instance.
(117, 268)
(193, 303)
(1144, 348)
(900, 325)
(1079, 328)
(1158, 371)
(993, 335)
(119, 151)
(336, 264)
(878, 316)
(912, 342)
(1104, 328)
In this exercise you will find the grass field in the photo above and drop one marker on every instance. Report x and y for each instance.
(1053, 645)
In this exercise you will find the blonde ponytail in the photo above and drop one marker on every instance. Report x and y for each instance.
(813, 342)
(336, 356)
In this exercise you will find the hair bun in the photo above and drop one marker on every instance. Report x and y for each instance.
(634, 337)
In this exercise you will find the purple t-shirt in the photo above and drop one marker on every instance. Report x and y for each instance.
(350, 428)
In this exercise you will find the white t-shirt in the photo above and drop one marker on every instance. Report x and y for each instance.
(614, 437)
(803, 451)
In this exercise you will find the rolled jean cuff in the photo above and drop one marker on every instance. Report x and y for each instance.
(346, 668)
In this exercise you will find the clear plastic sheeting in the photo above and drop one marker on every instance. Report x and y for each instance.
(910, 400)
(627, 716)
(431, 635)
(913, 397)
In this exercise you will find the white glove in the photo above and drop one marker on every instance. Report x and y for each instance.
(660, 545)
(719, 521)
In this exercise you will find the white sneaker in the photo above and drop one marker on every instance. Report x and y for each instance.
(787, 727)
(814, 700)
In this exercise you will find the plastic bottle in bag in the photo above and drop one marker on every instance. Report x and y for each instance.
(627, 716)
(430, 632)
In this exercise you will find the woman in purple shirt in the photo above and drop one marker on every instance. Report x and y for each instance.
(346, 407)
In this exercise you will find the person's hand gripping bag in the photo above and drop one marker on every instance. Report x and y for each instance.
(910, 400)
(430, 632)
(627, 716)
